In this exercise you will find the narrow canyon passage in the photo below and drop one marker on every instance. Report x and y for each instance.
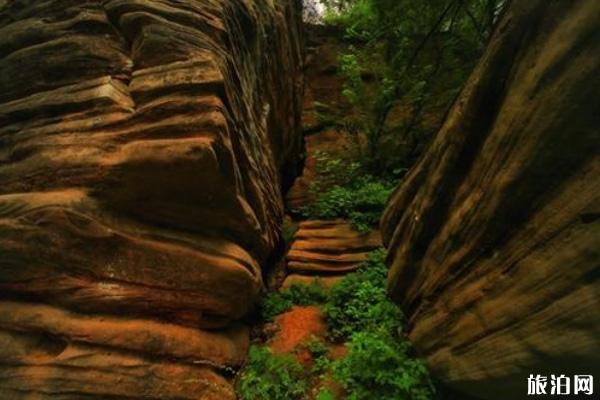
(319, 254)
(330, 286)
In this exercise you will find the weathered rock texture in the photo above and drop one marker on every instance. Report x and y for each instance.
(329, 247)
(143, 146)
(494, 237)
(323, 99)
(330, 142)
(323, 106)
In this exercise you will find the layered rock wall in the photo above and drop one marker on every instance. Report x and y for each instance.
(143, 147)
(494, 237)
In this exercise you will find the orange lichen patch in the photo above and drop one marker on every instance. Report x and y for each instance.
(304, 356)
(297, 326)
(338, 351)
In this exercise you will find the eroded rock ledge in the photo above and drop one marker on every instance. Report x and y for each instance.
(494, 237)
(143, 146)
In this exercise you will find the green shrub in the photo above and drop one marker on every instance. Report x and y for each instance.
(332, 203)
(418, 55)
(325, 394)
(273, 377)
(350, 69)
(369, 199)
(273, 304)
(341, 189)
(317, 348)
(361, 202)
(378, 366)
(359, 302)
(279, 302)
(332, 171)
(320, 355)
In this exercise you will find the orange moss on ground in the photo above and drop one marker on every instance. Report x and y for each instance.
(296, 327)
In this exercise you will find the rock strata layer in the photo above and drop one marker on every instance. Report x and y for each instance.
(329, 247)
(494, 237)
(143, 148)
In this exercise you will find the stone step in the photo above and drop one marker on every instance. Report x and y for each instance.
(298, 279)
(330, 246)
(318, 267)
(336, 258)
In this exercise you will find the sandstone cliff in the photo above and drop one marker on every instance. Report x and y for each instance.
(143, 147)
(494, 237)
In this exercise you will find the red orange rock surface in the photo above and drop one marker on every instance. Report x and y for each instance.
(329, 247)
(143, 147)
(494, 237)
(329, 141)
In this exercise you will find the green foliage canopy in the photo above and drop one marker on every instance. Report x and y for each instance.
(420, 53)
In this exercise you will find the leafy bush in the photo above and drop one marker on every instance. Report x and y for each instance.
(359, 302)
(317, 348)
(368, 202)
(350, 68)
(325, 394)
(419, 53)
(269, 376)
(342, 190)
(360, 199)
(320, 355)
(378, 366)
(279, 302)
(334, 170)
